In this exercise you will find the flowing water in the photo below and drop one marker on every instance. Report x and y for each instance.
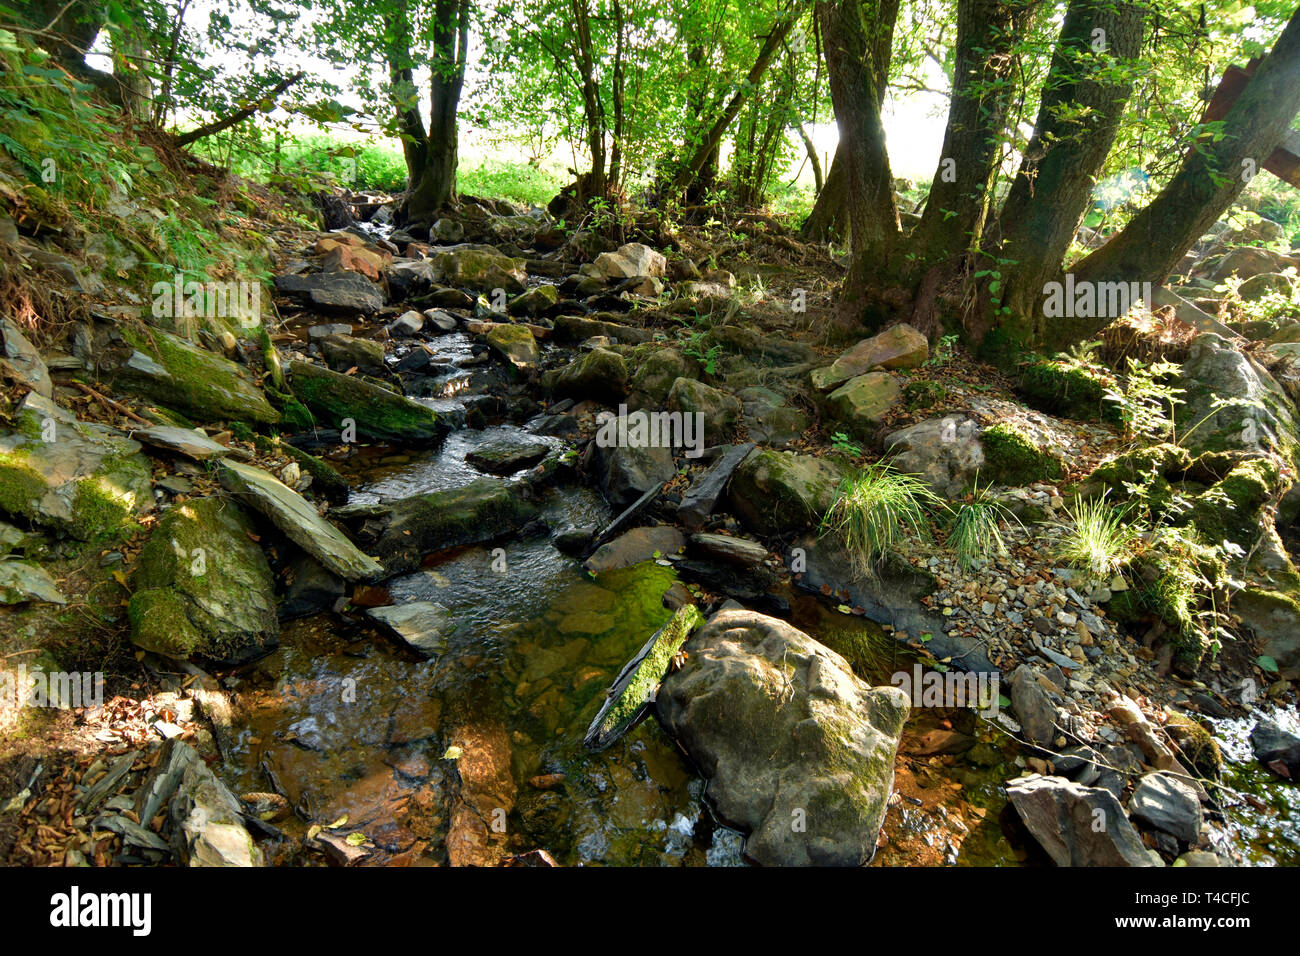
(345, 722)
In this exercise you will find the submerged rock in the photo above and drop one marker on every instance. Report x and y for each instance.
(507, 454)
(797, 751)
(204, 588)
(1277, 749)
(423, 625)
(402, 531)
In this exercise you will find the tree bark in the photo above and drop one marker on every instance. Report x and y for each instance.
(1082, 102)
(829, 217)
(853, 33)
(1213, 174)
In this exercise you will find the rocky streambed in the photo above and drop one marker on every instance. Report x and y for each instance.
(391, 627)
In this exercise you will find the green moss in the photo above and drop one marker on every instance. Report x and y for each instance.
(377, 413)
(1230, 510)
(101, 514)
(1069, 390)
(1013, 458)
(21, 487)
(1197, 744)
(159, 623)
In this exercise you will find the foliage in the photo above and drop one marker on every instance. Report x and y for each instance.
(873, 512)
(974, 532)
(1102, 539)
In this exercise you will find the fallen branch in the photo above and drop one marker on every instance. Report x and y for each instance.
(115, 406)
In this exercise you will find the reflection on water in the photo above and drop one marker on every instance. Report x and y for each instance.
(1264, 822)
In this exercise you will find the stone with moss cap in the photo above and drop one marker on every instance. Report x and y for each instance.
(633, 691)
(204, 588)
(166, 369)
(377, 413)
(860, 404)
(515, 344)
(784, 732)
(778, 492)
(88, 481)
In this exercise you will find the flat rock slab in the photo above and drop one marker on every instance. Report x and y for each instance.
(424, 625)
(21, 581)
(637, 545)
(300, 522)
(1063, 817)
(507, 454)
(744, 552)
(183, 441)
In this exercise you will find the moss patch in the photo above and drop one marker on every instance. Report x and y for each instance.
(1069, 390)
(1012, 457)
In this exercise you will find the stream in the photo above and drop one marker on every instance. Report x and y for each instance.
(346, 722)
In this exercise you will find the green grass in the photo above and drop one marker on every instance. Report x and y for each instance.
(498, 179)
(973, 531)
(1103, 538)
(874, 511)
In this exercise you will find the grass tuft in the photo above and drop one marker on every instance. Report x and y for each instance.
(875, 510)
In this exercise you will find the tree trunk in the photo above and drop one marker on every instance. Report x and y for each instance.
(852, 32)
(713, 138)
(829, 217)
(983, 87)
(1213, 174)
(431, 154)
(1082, 102)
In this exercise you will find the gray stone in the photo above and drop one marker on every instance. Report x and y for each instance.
(780, 492)
(743, 552)
(24, 357)
(507, 454)
(1168, 804)
(945, 451)
(782, 730)
(22, 581)
(348, 293)
(299, 521)
(189, 442)
(637, 545)
(1063, 817)
(706, 491)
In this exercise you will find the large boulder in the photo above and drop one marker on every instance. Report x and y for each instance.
(180, 375)
(87, 480)
(481, 268)
(899, 346)
(1274, 619)
(796, 750)
(1214, 371)
(946, 452)
(342, 293)
(204, 588)
(600, 374)
(630, 261)
(779, 492)
(376, 412)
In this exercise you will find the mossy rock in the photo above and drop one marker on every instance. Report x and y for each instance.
(168, 370)
(204, 587)
(918, 395)
(1197, 744)
(1071, 391)
(1012, 457)
(376, 412)
(1231, 509)
(778, 492)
